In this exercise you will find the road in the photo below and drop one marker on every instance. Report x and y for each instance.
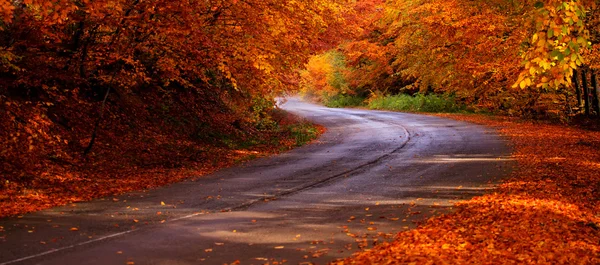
(370, 176)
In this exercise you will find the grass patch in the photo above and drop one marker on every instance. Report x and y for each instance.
(417, 103)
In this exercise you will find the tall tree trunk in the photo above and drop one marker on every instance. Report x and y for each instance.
(586, 92)
(595, 93)
(577, 89)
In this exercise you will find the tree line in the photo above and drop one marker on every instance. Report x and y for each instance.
(514, 57)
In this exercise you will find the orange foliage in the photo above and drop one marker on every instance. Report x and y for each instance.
(499, 55)
(546, 213)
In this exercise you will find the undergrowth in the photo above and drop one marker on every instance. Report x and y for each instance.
(342, 101)
(303, 132)
(417, 103)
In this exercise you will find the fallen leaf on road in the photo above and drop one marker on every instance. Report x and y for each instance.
(74, 229)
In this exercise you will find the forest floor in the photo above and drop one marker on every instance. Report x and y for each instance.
(547, 212)
(132, 164)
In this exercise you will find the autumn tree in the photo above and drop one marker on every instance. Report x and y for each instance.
(120, 70)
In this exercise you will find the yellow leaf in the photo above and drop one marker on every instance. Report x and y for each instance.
(523, 84)
(532, 71)
(573, 65)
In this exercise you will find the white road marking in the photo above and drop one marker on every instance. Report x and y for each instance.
(88, 242)
(67, 247)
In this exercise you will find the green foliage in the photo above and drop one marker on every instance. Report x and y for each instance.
(260, 113)
(417, 103)
(342, 101)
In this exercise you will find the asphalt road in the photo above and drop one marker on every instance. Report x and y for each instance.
(370, 176)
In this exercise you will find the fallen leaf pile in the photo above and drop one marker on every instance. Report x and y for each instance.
(547, 212)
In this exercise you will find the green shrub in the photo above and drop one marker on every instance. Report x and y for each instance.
(342, 101)
(417, 103)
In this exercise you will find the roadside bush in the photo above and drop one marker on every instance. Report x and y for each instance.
(342, 101)
(417, 103)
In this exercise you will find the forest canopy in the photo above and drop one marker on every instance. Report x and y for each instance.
(516, 57)
(90, 88)
(87, 86)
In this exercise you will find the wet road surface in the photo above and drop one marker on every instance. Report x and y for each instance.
(370, 176)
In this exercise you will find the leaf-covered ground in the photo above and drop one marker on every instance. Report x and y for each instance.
(547, 212)
(52, 173)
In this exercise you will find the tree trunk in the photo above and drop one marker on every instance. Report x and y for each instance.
(586, 92)
(595, 93)
(577, 90)
(569, 110)
(97, 125)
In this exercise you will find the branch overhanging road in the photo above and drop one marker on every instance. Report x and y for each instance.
(371, 175)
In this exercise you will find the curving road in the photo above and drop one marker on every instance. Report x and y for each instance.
(371, 175)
